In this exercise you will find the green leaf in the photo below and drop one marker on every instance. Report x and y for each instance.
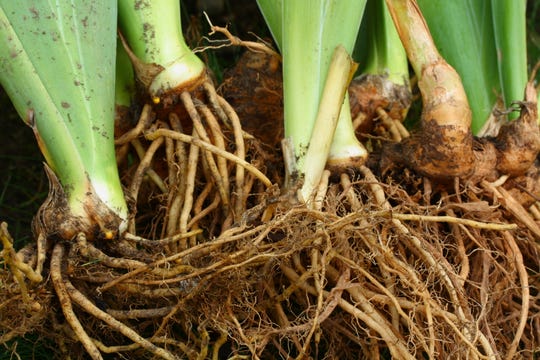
(484, 40)
(164, 63)
(307, 33)
(57, 63)
(509, 26)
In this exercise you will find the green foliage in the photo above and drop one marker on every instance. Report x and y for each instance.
(484, 40)
(57, 65)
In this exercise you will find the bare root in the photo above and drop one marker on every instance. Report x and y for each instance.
(218, 263)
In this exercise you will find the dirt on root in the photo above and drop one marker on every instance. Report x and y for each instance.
(383, 268)
(389, 265)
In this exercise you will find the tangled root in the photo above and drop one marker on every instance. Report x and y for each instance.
(197, 157)
(373, 272)
(218, 264)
